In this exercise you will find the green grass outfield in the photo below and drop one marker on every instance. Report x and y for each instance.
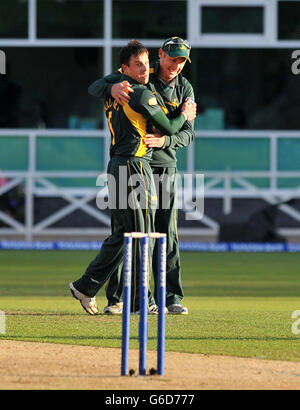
(240, 304)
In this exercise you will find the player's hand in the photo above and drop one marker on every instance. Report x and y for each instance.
(120, 92)
(155, 140)
(189, 109)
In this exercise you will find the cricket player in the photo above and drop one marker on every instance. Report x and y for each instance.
(129, 124)
(171, 90)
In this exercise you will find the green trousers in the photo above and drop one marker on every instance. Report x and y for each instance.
(132, 199)
(165, 222)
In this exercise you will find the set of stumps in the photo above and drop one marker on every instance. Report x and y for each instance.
(143, 322)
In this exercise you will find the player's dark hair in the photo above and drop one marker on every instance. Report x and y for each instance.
(133, 48)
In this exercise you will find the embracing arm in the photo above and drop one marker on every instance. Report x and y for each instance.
(101, 88)
(170, 127)
(182, 139)
(167, 126)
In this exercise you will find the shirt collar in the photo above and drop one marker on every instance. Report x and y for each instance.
(129, 79)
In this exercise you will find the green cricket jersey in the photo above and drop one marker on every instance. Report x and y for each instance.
(170, 98)
(130, 123)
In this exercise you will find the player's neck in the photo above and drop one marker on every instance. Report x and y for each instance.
(163, 78)
(166, 81)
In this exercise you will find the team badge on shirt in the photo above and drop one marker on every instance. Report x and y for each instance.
(152, 101)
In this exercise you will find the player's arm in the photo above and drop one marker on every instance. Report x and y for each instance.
(183, 138)
(101, 88)
(110, 86)
(167, 126)
(150, 109)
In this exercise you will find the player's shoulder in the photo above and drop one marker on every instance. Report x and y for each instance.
(186, 87)
(140, 92)
(142, 97)
(147, 97)
(114, 77)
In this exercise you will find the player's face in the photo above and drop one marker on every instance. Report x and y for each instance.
(138, 68)
(170, 67)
